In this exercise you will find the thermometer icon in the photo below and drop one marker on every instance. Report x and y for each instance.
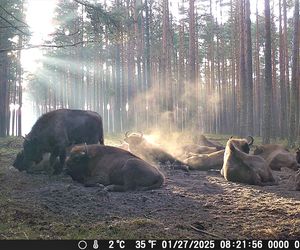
(95, 245)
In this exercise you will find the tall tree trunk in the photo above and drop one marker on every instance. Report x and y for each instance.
(249, 71)
(268, 77)
(283, 106)
(20, 90)
(192, 50)
(4, 109)
(258, 87)
(295, 81)
(181, 72)
(286, 58)
(243, 77)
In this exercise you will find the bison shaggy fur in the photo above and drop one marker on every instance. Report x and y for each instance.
(115, 168)
(241, 167)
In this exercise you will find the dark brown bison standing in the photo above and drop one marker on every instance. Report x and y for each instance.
(239, 166)
(54, 131)
(115, 168)
(151, 153)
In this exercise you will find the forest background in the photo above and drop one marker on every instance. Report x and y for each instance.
(214, 67)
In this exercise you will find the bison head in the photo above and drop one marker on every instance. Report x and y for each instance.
(243, 144)
(133, 139)
(76, 163)
(20, 162)
(32, 151)
(202, 140)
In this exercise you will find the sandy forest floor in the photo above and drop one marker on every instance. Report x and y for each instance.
(189, 205)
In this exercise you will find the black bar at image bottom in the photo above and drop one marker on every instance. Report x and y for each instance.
(147, 244)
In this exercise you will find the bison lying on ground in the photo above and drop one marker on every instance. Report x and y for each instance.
(206, 161)
(151, 153)
(203, 141)
(54, 132)
(115, 168)
(241, 167)
(196, 149)
(277, 156)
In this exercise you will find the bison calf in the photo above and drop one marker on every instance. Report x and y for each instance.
(241, 167)
(115, 168)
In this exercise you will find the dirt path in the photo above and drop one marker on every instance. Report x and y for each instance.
(190, 205)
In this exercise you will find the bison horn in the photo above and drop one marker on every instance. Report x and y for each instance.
(86, 151)
(126, 134)
(25, 137)
(250, 140)
(141, 134)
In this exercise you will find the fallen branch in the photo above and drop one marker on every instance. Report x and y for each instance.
(205, 232)
(47, 46)
(5, 237)
(162, 209)
(147, 217)
(26, 235)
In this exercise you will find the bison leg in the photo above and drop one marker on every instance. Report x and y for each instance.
(116, 188)
(180, 166)
(93, 184)
(55, 164)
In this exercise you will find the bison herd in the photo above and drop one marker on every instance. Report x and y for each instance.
(72, 142)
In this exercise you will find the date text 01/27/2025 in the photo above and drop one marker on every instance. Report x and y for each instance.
(204, 244)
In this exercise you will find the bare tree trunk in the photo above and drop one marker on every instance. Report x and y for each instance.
(295, 81)
(286, 58)
(268, 77)
(249, 71)
(258, 87)
(4, 109)
(283, 106)
(243, 77)
(19, 91)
